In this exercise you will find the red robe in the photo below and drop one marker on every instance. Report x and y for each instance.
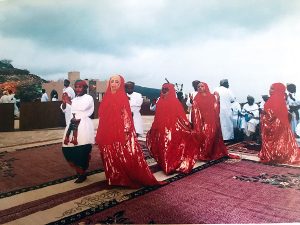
(170, 140)
(122, 156)
(206, 123)
(278, 142)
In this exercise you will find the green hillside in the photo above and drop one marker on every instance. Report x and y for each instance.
(151, 93)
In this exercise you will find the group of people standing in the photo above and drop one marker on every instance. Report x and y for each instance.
(9, 97)
(174, 141)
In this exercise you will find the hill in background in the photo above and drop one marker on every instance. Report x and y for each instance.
(28, 86)
(151, 93)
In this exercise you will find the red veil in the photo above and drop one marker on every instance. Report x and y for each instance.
(277, 103)
(278, 142)
(168, 109)
(206, 122)
(111, 111)
(169, 139)
(122, 156)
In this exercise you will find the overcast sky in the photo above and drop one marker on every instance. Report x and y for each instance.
(251, 43)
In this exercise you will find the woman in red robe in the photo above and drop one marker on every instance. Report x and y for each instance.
(122, 156)
(278, 142)
(169, 139)
(206, 123)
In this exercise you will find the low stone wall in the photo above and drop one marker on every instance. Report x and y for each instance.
(6, 117)
(41, 115)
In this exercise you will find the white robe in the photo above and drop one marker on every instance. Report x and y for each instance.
(83, 107)
(44, 98)
(226, 98)
(250, 126)
(136, 102)
(236, 109)
(189, 104)
(296, 102)
(5, 99)
(67, 110)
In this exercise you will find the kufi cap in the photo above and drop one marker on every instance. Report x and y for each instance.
(223, 81)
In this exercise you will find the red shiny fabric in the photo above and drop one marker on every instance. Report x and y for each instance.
(206, 123)
(122, 156)
(278, 142)
(169, 139)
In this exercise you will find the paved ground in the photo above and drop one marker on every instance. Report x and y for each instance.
(12, 141)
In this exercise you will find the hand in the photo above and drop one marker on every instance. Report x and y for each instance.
(66, 99)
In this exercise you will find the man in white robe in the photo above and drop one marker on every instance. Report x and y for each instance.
(79, 135)
(71, 94)
(250, 112)
(293, 102)
(262, 103)
(5, 97)
(135, 101)
(44, 97)
(191, 97)
(236, 110)
(226, 97)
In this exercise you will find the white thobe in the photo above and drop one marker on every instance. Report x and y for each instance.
(250, 126)
(67, 110)
(44, 98)
(296, 102)
(5, 99)
(189, 104)
(236, 109)
(136, 102)
(226, 98)
(83, 107)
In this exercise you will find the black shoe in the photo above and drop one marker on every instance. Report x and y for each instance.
(80, 179)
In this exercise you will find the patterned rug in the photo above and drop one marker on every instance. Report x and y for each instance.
(40, 165)
(245, 147)
(41, 190)
(243, 192)
(17, 172)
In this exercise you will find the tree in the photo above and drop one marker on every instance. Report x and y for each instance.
(6, 63)
(28, 93)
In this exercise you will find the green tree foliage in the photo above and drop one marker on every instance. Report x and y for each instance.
(29, 93)
(6, 63)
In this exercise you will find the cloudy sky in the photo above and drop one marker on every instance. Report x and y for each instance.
(253, 43)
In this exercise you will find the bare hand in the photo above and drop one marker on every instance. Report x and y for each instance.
(66, 99)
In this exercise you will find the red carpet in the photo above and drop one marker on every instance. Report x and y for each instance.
(42, 165)
(217, 192)
(35, 166)
(215, 195)
(245, 147)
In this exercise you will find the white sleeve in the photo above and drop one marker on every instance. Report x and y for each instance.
(256, 111)
(68, 107)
